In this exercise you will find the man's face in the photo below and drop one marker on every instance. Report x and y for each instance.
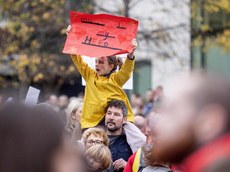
(114, 119)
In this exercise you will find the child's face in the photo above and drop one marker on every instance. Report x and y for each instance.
(102, 66)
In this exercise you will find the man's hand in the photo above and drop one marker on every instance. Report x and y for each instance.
(118, 164)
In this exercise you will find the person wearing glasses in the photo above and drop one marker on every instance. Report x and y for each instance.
(97, 152)
(95, 136)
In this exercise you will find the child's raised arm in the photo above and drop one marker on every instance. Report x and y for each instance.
(81, 66)
(123, 75)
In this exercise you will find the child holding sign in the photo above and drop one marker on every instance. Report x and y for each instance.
(103, 85)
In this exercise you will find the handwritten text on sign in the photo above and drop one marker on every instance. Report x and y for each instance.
(100, 35)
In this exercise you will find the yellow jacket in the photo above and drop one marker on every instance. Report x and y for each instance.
(100, 90)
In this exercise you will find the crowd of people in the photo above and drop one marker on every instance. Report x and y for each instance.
(187, 130)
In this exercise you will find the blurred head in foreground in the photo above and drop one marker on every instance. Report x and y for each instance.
(32, 140)
(195, 113)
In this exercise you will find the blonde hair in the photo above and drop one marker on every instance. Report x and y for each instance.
(100, 153)
(72, 107)
(96, 132)
(77, 132)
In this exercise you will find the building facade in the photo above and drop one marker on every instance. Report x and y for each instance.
(163, 38)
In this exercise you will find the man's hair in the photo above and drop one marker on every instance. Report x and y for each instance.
(118, 104)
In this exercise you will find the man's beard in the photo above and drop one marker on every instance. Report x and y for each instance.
(112, 129)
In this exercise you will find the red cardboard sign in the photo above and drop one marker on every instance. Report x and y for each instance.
(98, 35)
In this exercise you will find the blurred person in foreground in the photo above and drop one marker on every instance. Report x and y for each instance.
(32, 140)
(194, 130)
(137, 162)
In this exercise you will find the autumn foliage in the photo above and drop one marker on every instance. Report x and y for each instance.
(31, 40)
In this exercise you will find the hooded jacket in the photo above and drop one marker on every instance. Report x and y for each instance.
(100, 90)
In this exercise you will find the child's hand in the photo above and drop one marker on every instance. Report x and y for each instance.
(134, 43)
(68, 30)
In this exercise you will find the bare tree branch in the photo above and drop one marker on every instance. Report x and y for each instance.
(134, 3)
(149, 35)
(158, 37)
(169, 28)
(105, 10)
(126, 7)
